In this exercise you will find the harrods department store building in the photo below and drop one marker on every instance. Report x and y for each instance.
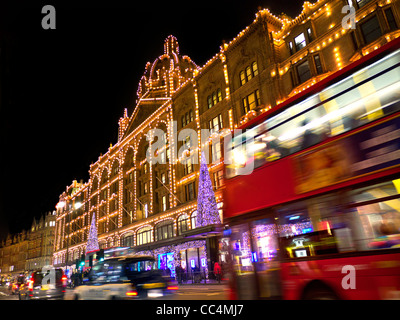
(151, 207)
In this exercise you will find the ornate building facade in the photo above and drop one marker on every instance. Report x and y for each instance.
(13, 254)
(151, 206)
(30, 249)
(41, 242)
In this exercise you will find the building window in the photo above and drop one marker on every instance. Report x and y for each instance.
(182, 223)
(103, 194)
(362, 3)
(186, 119)
(218, 179)
(216, 124)
(187, 142)
(354, 40)
(102, 227)
(310, 35)
(303, 71)
(300, 41)
(127, 241)
(216, 151)
(164, 230)
(115, 187)
(251, 101)
(113, 205)
(130, 178)
(242, 78)
(219, 95)
(371, 30)
(318, 65)
(248, 73)
(390, 19)
(188, 165)
(144, 236)
(190, 191)
(214, 98)
(209, 102)
(291, 47)
(163, 177)
(164, 203)
(113, 223)
(193, 219)
(254, 68)
(146, 188)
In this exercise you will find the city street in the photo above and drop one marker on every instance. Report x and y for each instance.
(202, 292)
(185, 292)
(6, 295)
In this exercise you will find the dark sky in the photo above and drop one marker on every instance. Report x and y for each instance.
(63, 91)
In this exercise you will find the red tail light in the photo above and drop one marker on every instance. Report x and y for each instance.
(64, 278)
(172, 288)
(132, 293)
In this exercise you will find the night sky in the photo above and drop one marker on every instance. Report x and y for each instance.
(63, 91)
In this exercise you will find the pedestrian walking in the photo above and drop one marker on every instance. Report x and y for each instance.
(217, 271)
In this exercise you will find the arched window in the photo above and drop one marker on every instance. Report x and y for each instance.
(104, 177)
(110, 242)
(128, 240)
(144, 236)
(115, 169)
(242, 78)
(249, 75)
(193, 219)
(209, 102)
(182, 223)
(219, 94)
(254, 67)
(102, 244)
(214, 98)
(164, 230)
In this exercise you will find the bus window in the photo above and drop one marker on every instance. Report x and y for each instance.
(241, 251)
(242, 261)
(313, 227)
(265, 249)
(264, 236)
(375, 215)
(294, 220)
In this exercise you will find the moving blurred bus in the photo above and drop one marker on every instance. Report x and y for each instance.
(319, 215)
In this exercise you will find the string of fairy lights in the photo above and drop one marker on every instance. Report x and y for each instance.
(171, 81)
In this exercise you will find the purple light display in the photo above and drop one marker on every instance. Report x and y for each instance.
(93, 241)
(207, 210)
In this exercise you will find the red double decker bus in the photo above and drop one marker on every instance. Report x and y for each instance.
(318, 217)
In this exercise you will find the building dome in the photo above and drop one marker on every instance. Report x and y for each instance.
(162, 77)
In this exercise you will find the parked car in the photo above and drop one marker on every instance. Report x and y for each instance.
(42, 285)
(127, 277)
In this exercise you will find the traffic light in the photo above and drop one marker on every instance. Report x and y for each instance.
(82, 261)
